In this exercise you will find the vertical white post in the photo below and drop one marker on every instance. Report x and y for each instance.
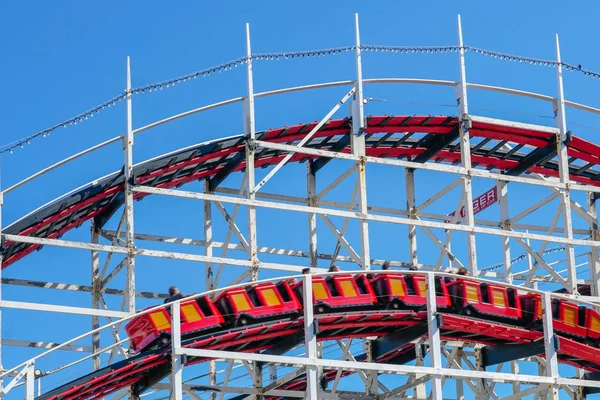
(435, 350)
(313, 201)
(208, 237)
(208, 243)
(411, 209)
(502, 190)
(30, 383)
(358, 148)
(563, 169)
(272, 373)
(482, 387)
(176, 356)
(258, 379)
(250, 130)
(514, 369)
(212, 378)
(465, 151)
(550, 344)
(128, 172)
(420, 390)
(310, 340)
(594, 261)
(95, 296)
(460, 392)
(530, 259)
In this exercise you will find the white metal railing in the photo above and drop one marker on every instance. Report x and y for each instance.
(21, 370)
(290, 90)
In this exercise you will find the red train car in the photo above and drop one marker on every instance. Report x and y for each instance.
(410, 291)
(485, 299)
(145, 330)
(199, 315)
(340, 292)
(567, 318)
(155, 327)
(259, 302)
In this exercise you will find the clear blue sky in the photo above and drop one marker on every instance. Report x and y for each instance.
(64, 57)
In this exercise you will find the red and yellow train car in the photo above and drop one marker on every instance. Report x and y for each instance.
(567, 318)
(399, 292)
(268, 301)
(145, 330)
(340, 292)
(475, 298)
(259, 302)
(196, 315)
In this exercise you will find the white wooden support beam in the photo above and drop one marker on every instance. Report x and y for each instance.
(533, 207)
(538, 258)
(460, 390)
(387, 368)
(420, 389)
(534, 267)
(550, 344)
(272, 373)
(176, 355)
(128, 175)
(208, 238)
(30, 383)
(335, 182)
(338, 244)
(95, 297)
(233, 226)
(502, 190)
(250, 130)
(446, 249)
(305, 140)
(465, 152)
(412, 214)
(358, 149)
(225, 247)
(342, 240)
(434, 337)
(114, 241)
(257, 373)
(594, 261)
(514, 368)
(313, 201)
(20, 305)
(306, 209)
(208, 271)
(310, 341)
(113, 273)
(563, 169)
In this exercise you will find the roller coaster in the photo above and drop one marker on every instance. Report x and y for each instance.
(410, 320)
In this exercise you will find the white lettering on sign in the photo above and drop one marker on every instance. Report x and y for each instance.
(479, 204)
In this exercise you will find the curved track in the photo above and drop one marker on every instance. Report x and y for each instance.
(278, 336)
(417, 138)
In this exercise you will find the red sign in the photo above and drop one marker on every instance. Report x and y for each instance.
(480, 203)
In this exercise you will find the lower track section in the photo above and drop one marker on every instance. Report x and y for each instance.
(395, 331)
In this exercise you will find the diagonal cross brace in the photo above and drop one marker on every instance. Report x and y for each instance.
(305, 140)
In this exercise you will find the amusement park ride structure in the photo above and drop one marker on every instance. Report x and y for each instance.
(549, 155)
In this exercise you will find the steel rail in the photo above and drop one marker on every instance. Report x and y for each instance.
(216, 291)
(297, 89)
(62, 162)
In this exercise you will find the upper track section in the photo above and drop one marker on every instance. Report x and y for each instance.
(512, 149)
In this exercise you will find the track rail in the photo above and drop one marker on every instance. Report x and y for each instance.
(144, 370)
(422, 139)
